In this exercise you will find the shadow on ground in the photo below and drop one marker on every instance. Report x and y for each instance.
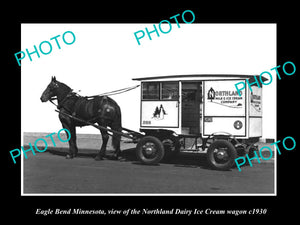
(183, 159)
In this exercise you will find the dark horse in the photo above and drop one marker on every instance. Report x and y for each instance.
(100, 109)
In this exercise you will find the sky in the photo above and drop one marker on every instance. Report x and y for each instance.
(105, 57)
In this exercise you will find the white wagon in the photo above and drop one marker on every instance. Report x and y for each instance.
(204, 108)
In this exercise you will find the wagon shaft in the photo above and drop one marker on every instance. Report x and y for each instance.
(130, 134)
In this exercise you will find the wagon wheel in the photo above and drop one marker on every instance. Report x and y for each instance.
(221, 155)
(171, 145)
(250, 150)
(150, 150)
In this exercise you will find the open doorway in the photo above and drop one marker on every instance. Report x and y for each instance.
(191, 107)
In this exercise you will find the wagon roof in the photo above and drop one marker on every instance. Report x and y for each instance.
(204, 76)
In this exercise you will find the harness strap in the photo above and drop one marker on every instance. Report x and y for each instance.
(60, 105)
(51, 100)
(116, 92)
(71, 93)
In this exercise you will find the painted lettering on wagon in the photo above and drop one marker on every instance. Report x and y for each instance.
(18, 152)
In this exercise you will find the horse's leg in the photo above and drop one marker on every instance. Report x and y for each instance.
(73, 150)
(116, 142)
(102, 151)
(74, 142)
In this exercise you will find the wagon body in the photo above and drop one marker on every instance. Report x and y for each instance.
(201, 104)
(202, 107)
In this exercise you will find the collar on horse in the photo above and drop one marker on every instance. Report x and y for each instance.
(72, 111)
(60, 105)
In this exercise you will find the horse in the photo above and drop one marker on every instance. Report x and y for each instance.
(99, 109)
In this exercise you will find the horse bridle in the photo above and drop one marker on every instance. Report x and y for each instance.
(71, 93)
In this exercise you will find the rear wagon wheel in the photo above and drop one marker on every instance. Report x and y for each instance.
(150, 150)
(221, 155)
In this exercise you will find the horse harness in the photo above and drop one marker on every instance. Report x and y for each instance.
(79, 103)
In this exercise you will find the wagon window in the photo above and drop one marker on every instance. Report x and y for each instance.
(169, 91)
(150, 91)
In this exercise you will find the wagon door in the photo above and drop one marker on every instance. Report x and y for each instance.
(191, 107)
(224, 110)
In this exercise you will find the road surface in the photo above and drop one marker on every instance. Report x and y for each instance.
(187, 173)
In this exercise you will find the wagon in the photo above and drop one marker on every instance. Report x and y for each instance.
(199, 113)
(196, 113)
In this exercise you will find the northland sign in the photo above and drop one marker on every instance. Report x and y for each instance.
(225, 98)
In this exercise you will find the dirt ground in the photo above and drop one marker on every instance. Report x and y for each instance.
(188, 173)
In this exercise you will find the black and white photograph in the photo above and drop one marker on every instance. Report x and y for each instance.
(150, 118)
(124, 112)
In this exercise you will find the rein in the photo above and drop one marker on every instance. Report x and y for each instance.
(52, 99)
(116, 92)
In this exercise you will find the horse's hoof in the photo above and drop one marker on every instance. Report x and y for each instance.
(121, 159)
(98, 158)
(69, 156)
(117, 157)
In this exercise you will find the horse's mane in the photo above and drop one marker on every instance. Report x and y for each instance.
(65, 87)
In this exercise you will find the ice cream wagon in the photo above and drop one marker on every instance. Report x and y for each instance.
(204, 108)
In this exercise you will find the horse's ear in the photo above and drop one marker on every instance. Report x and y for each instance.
(54, 79)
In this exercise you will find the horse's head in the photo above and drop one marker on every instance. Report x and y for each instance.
(51, 90)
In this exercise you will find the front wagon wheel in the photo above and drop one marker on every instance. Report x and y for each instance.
(150, 150)
(221, 155)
